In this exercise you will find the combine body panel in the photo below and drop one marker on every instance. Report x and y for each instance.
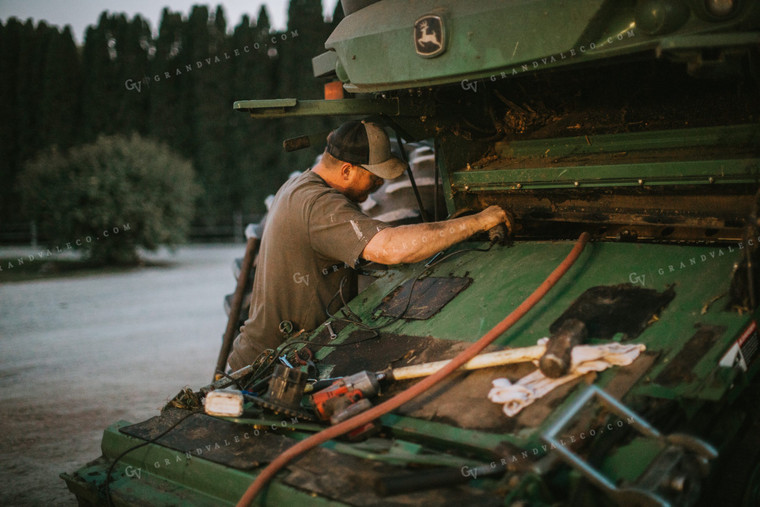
(637, 122)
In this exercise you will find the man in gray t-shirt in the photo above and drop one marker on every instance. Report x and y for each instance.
(316, 234)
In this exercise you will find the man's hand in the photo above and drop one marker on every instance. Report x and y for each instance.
(413, 243)
(493, 216)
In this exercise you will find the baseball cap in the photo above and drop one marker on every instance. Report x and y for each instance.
(365, 143)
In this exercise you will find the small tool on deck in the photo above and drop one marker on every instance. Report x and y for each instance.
(338, 399)
(347, 397)
(226, 380)
(344, 392)
(286, 388)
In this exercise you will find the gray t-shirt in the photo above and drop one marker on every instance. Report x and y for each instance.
(314, 236)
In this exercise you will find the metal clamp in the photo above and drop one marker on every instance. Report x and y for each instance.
(647, 490)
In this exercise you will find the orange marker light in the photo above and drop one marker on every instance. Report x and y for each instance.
(333, 90)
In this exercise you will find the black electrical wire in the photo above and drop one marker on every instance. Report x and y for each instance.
(351, 318)
(457, 252)
(118, 458)
(251, 386)
(357, 320)
(343, 344)
(266, 359)
(423, 212)
(273, 354)
(227, 376)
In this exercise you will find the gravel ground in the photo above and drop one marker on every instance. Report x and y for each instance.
(79, 353)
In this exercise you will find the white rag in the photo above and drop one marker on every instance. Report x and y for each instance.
(584, 359)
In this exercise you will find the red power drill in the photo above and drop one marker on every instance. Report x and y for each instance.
(347, 397)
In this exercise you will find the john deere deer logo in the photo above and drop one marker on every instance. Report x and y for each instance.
(429, 36)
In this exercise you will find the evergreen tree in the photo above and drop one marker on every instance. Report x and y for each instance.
(254, 144)
(133, 43)
(241, 133)
(210, 110)
(168, 117)
(99, 84)
(305, 18)
(10, 46)
(262, 22)
(295, 76)
(216, 158)
(32, 55)
(59, 98)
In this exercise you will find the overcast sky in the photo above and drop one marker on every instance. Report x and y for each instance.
(81, 13)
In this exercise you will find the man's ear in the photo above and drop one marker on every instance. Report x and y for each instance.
(345, 171)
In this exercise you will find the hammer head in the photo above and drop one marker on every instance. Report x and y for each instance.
(556, 360)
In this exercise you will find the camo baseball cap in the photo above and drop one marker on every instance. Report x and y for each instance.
(366, 144)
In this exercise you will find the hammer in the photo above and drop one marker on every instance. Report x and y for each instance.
(556, 360)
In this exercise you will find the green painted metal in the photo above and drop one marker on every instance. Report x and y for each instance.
(512, 273)
(445, 169)
(264, 104)
(503, 277)
(397, 452)
(710, 41)
(703, 172)
(292, 107)
(494, 40)
(485, 37)
(324, 64)
(156, 475)
(725, 137)
(538, 164)
(628, 462)
(446, 436)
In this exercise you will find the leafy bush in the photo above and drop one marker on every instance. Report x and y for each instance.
(110, 197)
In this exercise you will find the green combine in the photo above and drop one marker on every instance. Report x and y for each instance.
(624, 138)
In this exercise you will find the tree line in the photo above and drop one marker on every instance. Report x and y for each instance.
(176, 88)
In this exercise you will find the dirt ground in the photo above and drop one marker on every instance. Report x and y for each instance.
(79, 353)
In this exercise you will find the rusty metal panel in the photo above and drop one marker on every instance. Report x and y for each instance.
(429, 296)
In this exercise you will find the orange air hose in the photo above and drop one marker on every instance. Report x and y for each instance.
(420, 387)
